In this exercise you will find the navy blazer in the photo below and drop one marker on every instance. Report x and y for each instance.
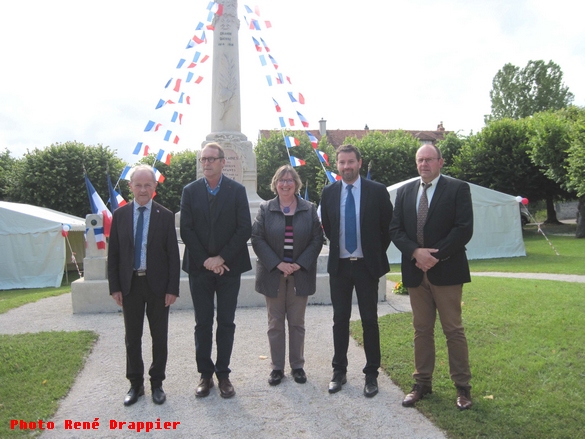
(232, 226)
(162, 251)
(449, 228)
(375, 216)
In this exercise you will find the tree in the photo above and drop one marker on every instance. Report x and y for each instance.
(392, 155)
(519, 93)
(53, 177)
(6, 168)
(450, 147)
(576, 170)
(271, 153)
(498, 158)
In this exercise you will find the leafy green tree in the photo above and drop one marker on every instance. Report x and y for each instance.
(498, 158)
(271, 153)
(576, 170)
(182, 171)
(519, 93)
(7, 164)
(53, 177)
(392, 155)
(450, 147)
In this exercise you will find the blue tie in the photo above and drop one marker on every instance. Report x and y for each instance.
(350, 223)
(138, 238)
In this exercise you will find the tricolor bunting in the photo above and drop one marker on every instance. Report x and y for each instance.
(296, 162)
(141, 149)
(98, 206)
(164, 157)
(291, 141)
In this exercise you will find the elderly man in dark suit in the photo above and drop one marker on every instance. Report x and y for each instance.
(356, 215)
(215, 227)
(143, 272)
(433, 221)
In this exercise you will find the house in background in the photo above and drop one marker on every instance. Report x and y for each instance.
(337, 137)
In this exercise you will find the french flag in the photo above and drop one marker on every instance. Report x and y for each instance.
(296, 162)
(165, 157)
(265, 45)
(257, 45)
(168, 135)
(125, 173)
(273, 61)
(303, 120)
(300, 98)
(216, 8)
(291, 141)
(100, 238)
(276, 105)
(141, 149)
(159, 177)
(313, 140)
(151, 125)
(333, 177)
(98, 206)
(177, 116)
(116, 200)
(323, 157)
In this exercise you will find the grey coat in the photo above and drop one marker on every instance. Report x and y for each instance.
(268, 244)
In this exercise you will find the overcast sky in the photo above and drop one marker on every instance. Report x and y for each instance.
(93, 71)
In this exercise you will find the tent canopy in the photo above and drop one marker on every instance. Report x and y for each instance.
(32, 247)
(497, 230)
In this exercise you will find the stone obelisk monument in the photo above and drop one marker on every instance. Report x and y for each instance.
(226, 120)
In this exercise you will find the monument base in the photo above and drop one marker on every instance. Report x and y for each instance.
(92, 296)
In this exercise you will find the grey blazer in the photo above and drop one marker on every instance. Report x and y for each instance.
(268, 244)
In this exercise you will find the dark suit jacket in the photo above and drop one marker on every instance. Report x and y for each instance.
(449, 228)
(375, 216)
(162, 251)
(232, 226)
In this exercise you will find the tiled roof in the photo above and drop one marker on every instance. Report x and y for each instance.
(337, 137)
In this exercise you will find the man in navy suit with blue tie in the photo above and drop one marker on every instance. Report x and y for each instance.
(356, 215)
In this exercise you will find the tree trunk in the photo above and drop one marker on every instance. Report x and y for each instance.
(551, 213)
(580, 233)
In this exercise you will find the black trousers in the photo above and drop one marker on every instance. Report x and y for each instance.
(141, 297)
(355, 274)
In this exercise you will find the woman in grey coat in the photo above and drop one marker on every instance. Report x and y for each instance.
(287, 238)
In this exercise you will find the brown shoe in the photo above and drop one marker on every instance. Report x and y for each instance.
(464, 398)
(417, 393)
(203, 388)
(226, 390)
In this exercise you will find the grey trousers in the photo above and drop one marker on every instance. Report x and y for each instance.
(287, 305)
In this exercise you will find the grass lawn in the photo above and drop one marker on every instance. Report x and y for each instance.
(14, 298)
(36, 372)
(525, 345)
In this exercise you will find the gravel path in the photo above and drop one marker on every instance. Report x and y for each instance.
(289, 410)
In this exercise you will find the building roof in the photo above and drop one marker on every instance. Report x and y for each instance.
(337, 137)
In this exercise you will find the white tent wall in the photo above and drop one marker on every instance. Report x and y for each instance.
(32, 248)
(497, 231)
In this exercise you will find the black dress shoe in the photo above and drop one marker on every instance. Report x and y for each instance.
(299, 375)
(464, 398)
(133, 394)
(203, 388)
(158, 395)
(339, 378)
(417, 393)
(276, 377)
(371, 387)
(226, 389)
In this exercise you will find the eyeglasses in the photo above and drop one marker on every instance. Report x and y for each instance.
(427, 161)
(285, 181)
(209, 159)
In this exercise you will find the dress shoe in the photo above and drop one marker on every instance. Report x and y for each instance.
(339, 378)
(371, 387)
(158, 395)
(464, 398)
(276, 377)
(299, 375)
(203, 388)
(133, 394)
(226, 390)
(416, 394)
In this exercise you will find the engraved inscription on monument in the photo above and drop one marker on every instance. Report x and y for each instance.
(233, 166)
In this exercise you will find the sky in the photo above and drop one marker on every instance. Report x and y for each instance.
(93, 71)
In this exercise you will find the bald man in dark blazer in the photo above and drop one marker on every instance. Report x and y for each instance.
(144, 280)
(434, 269)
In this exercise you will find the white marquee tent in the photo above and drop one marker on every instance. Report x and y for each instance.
(32, 248)
(497, 231)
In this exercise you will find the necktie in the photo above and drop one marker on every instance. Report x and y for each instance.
(350, 222)
(421, 218)
(138, 238)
